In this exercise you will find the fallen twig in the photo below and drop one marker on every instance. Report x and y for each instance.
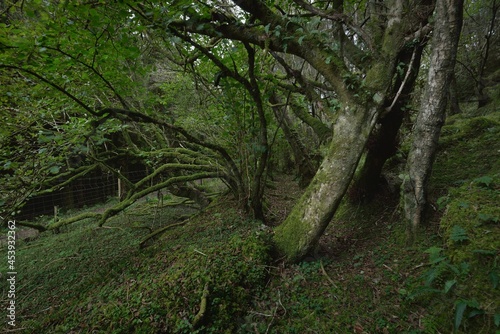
(159, 232)
(326, 275)
(203, 307)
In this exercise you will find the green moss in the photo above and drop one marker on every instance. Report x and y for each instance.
(98, 279)
(466, 269)
(288, 237)
(468, 147)
(471, 228)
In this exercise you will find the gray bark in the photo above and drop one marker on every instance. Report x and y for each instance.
(430, 119)
(300, 232)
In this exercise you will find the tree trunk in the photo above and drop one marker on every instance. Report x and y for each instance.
(383, 142)
(447, 28)
(454, 107)
(303, 163)
(382, 145)
(300, 232)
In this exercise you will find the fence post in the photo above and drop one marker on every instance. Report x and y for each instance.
(119, 188)
(56, 209)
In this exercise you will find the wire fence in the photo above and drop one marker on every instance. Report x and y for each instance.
(90, 190)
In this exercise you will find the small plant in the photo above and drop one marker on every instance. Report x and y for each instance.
(451, 282)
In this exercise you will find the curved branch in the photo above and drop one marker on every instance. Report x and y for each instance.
(139, 117)
(174, 166)
(38, 227)
(131, 200)
(73, 220)
(159, 232)
(81, 171)
(53, 85)
(96, 72)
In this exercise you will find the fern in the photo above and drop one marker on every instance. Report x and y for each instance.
(431, 325)
(458, 234)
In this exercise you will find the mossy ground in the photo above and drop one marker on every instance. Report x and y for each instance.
(97, 280)
(363, 277)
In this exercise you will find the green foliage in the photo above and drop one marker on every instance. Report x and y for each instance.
(469, 149)
(464, 276)
(97, 279)
(458, 234)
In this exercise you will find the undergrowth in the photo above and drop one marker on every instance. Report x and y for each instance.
(88, 279)
(213, 272)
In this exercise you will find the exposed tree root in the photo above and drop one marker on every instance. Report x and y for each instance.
(203, 308)
(158, 232)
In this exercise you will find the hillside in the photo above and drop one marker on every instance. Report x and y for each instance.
(215, 272)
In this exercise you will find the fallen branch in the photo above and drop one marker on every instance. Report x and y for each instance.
(203, 307)
(159, 232)
(73, 219)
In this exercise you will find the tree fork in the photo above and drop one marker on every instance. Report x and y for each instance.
(301, 230)
(383, 143)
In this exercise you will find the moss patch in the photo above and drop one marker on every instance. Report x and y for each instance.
(469, 147)
(98, 280)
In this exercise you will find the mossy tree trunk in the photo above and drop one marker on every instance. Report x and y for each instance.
(300, 232)
(448, 23)
(309, 218)
(359, 70)
(384, 140)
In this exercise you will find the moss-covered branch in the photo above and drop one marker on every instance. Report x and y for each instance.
(177, 166)
(203, 307)
(73, 220)
(319, 128)
(38, 227)
(81, 171)
(159, 232)
(135, 196)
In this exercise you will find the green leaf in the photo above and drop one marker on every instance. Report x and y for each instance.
(475, 312)
(458, 234)
(267, 27)
(435, 254)
(497, 320)
(301, 39)
(459, 314)
(328, 60)
(448, 285)
(484, 181)
(494, 279)
(487, 218)
(54, 169)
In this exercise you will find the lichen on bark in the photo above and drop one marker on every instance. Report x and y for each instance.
(300, 232)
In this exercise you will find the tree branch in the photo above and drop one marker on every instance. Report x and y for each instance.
(54, 85)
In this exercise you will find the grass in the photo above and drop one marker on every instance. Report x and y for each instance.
(88, 279)
(363, 278)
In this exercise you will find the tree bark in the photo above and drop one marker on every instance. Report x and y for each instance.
(300, 232)
(383, 142)
(305, 167)
(429, 121)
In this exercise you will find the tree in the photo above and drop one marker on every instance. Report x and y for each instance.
(342, 68)
(364, 85)
(433, 108)
(478, 51)
(83, 66)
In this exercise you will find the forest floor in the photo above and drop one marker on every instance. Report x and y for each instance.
(215, 272)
